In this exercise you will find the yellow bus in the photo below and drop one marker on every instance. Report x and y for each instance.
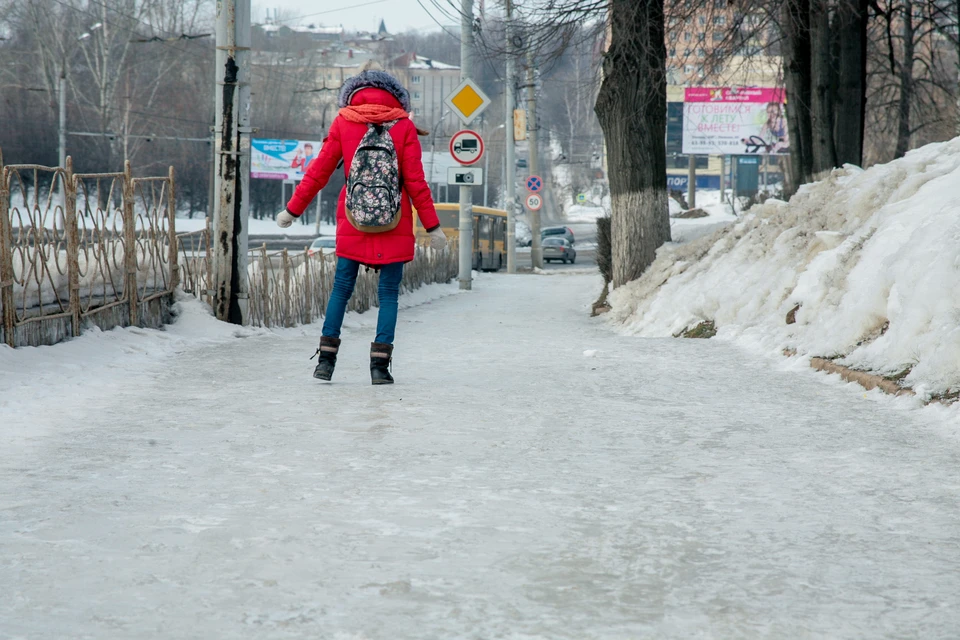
(489, 233)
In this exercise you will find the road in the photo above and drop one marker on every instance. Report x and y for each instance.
(531, 475)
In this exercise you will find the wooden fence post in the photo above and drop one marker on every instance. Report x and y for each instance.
(73, 243)
(174, 255)
(308, 288)
(6, 259)
(288, 303)
(265, 297)
(209, 260)
(130, 244)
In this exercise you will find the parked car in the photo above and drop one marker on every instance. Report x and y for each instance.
(557, 248)
(563, 232)
(324, 244)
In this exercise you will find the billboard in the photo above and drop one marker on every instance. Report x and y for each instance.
(734, 121)
(281, 159)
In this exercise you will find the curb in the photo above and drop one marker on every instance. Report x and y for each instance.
(868, 381)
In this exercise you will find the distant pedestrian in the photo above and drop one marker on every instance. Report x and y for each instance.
(382, 161)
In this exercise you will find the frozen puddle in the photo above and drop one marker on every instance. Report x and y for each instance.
(532, 475)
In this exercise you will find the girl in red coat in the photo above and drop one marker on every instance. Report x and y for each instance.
(371, 98)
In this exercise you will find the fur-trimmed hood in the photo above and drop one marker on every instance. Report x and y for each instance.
(374, 79)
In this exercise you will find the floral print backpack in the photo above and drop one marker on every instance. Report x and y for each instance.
(374, 184)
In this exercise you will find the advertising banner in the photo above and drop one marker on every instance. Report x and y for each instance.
(281, 159)
(734, 121)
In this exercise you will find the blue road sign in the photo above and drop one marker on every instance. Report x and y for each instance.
(534, 184)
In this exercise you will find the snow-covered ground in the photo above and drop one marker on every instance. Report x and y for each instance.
(532, 475)
(870, 259)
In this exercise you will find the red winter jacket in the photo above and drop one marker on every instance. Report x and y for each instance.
(345, 136)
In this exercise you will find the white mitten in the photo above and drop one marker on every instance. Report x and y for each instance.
(285, 219)
(437, 239)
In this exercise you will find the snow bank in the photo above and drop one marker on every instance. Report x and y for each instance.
(871, 258)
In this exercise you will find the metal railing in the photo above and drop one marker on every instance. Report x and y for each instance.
(83, 250)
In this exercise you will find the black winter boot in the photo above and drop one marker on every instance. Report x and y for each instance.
(380, 357)
(328, 358)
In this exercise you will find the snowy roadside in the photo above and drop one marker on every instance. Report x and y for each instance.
(860, 267)
(89, 370)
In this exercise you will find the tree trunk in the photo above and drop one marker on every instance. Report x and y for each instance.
(632, 109)
(796, 63)
(851, 38)
(956, 14)
(906, 81)
(821, 74)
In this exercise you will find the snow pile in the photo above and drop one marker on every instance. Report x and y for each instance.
(719, 214)
(870, 260)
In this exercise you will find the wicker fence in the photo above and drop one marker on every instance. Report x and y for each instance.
(287, 288)
(290, 289)
(80, 250)
(83, 250)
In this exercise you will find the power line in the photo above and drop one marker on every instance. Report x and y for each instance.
(320, 13)
(94, 134)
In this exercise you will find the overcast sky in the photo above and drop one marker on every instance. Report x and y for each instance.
(363, 15)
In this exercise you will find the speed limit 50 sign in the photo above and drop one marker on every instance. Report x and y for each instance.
(534, 202)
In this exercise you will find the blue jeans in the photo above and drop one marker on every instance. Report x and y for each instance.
(388, 290)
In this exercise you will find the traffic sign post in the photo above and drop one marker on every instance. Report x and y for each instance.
(466, 147)
(534, 202)
(467, 101)
(534, 184)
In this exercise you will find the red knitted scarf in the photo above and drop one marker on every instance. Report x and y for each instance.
(372, 113)
(376, 114)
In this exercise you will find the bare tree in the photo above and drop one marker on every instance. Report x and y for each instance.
(910, 80)
(632, 106)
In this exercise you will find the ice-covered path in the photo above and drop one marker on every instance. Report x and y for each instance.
(507, 487)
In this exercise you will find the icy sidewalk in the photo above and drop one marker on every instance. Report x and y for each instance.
(507, 487)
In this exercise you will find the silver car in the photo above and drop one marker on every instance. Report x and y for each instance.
(558, 249)
(325, 245)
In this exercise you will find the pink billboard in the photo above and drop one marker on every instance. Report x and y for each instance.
(734, 121)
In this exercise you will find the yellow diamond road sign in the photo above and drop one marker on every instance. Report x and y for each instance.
(467, 101)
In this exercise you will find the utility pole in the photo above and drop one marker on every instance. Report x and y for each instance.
(231, 208)
(510, 170)
(466, 191)
(62, 98)
(536, 249)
